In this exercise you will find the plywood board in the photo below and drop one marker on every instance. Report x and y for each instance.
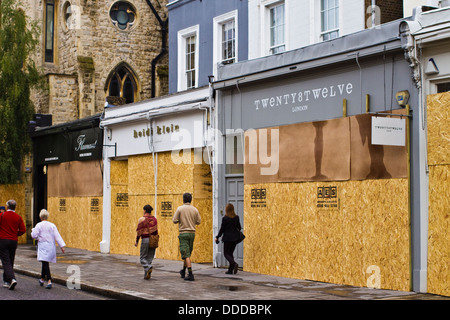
(438, 115)
(292, 237)
(79, 227)
(15, 192)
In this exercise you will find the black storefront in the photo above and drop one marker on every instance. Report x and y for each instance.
(79, 140)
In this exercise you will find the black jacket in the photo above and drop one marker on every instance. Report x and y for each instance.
(230, 229)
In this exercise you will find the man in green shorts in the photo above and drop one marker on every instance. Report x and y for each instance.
(187, 217)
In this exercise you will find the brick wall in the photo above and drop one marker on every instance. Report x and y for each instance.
(389, 9)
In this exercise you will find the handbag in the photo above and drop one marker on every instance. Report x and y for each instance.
(153, 241)
(241, 236)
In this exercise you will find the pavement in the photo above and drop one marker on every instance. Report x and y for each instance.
(122, 277)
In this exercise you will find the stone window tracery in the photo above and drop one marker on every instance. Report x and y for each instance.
(122, 83)
(123, 15)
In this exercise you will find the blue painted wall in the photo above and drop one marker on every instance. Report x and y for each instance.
(186, 13)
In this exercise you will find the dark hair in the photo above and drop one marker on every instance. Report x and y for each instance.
(148, 208)
(187, 197)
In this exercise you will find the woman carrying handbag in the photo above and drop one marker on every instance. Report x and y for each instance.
(231, 231)
(147, 228)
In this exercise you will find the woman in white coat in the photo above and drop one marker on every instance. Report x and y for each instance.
(46, 233)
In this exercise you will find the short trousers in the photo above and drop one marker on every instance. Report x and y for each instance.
(186, 244)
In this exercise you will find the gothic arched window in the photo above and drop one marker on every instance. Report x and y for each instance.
(122, 83)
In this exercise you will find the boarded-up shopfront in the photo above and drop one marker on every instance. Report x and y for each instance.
(68, 180)
(438, 113)
(321, 201)
(157, 152)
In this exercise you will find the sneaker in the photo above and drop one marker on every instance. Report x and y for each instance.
(183, 273)
(41, 283)
(190, 277)
(148, 273)
(13, 284)
(6, 284)
(49, 286)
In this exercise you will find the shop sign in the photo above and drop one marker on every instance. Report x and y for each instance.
(327, 197)
(166, 209)
(388, 131)
(175, 132)
(62, 205)
(292, 100)
(95, 205)
(258, 198)
(69, 146)
(121, 199)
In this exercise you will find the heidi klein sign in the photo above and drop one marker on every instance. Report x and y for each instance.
(175, 132)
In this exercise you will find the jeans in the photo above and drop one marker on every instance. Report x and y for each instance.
(7, 254)
(146, 254)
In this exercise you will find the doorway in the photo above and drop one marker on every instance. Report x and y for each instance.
(40, 192)
(235, 196)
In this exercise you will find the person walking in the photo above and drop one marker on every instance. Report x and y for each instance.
(46, 233)
(187, 217)
(230, 230)
(147, 226)
(11, 227)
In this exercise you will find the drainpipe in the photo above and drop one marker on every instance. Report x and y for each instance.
(419, 166)
(163, 44)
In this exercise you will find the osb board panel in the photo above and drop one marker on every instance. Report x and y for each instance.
(275, 235)
(79, 227)
(15, 192)
(370, 227)
(168, 231)
(438, 116)
(124, 223)
(439, 231)
(203, 244)
(376, 211)
(173, 178)
(119, 172)
(202, 181)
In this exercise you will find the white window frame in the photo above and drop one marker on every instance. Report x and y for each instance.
(266, 5)
(181, 42)
(218, 22)
(278, 45)
(322, 32)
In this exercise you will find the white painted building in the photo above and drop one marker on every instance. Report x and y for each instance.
(276, 26)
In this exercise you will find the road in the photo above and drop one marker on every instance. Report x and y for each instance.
(28, 289)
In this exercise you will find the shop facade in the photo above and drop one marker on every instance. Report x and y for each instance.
(67, 179)
(154, 151)
(429, 39)
(319, 199)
